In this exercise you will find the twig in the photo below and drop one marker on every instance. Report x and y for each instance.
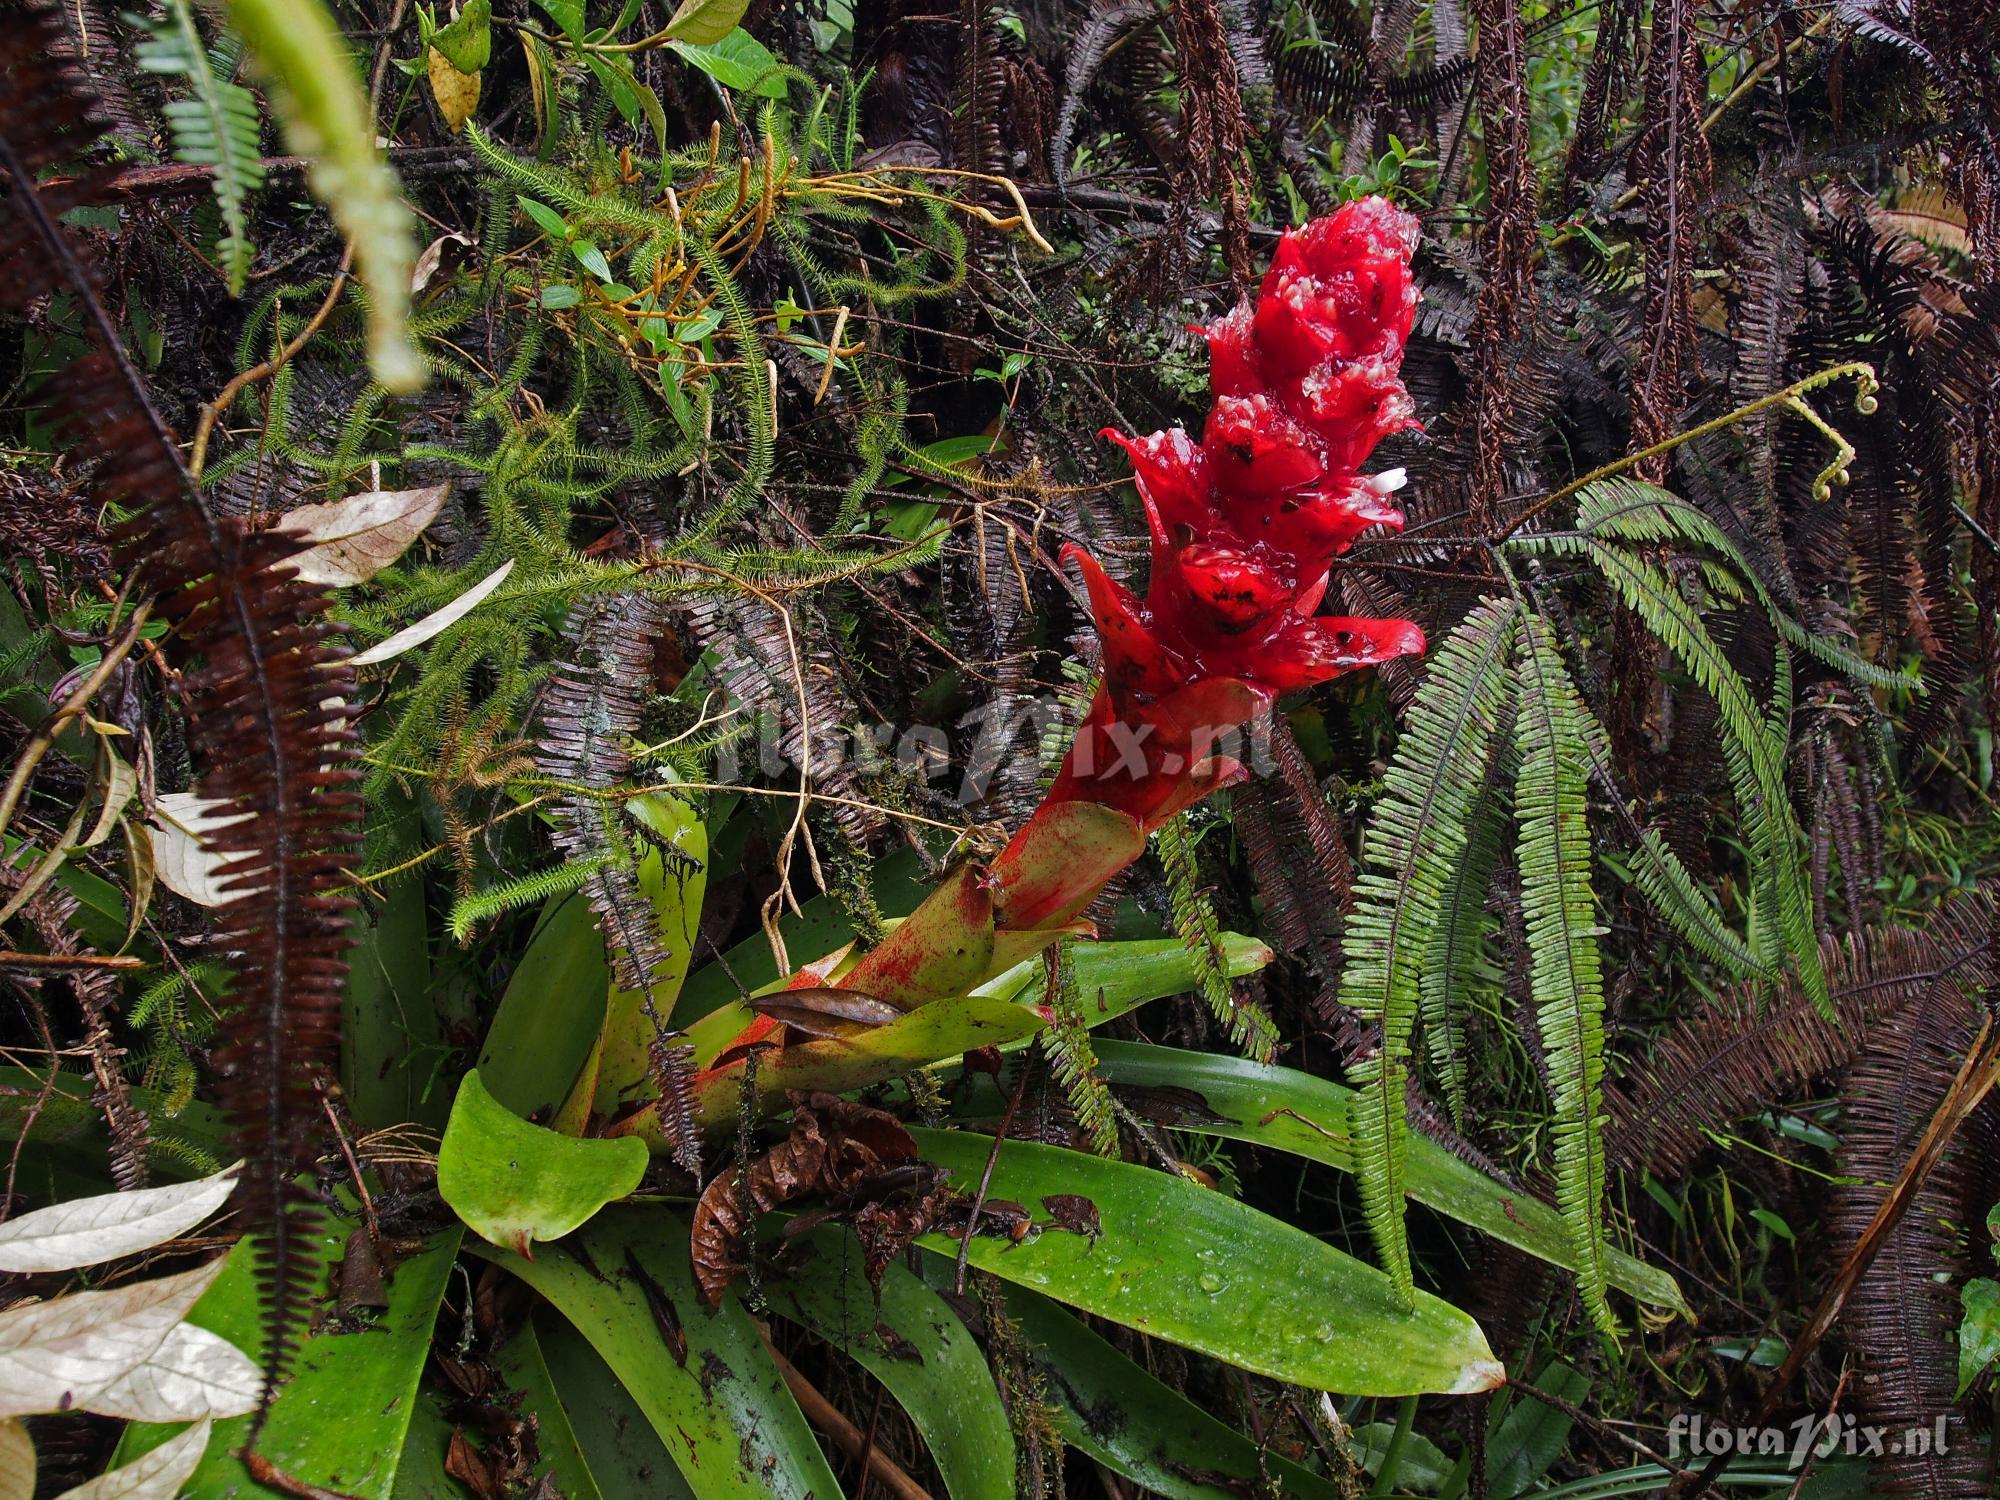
(265, 1472)
(830, 1420)
(1975, 1080)
(204, 425)
(986, 1177)
(12, 960)
(368, 1216)
(1791, 396)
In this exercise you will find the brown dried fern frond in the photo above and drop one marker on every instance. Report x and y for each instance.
(265, 683)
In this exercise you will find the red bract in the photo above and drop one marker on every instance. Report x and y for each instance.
(1246, 522)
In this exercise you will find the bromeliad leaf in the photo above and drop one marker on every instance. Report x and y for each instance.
(1159, 1439)
(1247, 1288)
(907, 1336)
(626, 1287)
(365, 1369)
(1307, 1116)
(514, 1183)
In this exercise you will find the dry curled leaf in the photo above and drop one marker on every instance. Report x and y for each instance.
(17, 1463)
(157, 1474)
(124, 1352)
(434, 623)
(836, 1149)
(183, 859)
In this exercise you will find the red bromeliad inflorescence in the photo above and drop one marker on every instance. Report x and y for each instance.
(1246, 521)
(1245, 524)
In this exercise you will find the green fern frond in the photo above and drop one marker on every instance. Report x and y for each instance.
(1454, 959)
(1634, 511)
(1249, 1026)
(218, 127)
(1560, 912)
(318, 98)
(1665, 881)
(1065, 1042)
(1782, 920)
(525, 890)
(1416, 841)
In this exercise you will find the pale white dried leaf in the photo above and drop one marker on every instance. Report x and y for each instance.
(89, 1231)
(17, 1463)
(183, 860)
(356, 538)
(60, 1355)
(154, 1475)
(193, 1374)
(436, 622)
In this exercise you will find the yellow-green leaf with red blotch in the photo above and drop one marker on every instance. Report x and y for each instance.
(943, 948)
(1060, 860)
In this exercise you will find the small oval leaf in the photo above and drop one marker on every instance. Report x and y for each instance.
(514, 1183)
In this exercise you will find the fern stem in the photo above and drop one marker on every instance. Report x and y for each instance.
(1861, 371)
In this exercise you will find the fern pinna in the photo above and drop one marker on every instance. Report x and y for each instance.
(266, 686)
(217, 126)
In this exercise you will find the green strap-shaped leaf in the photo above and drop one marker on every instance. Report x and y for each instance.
(1136, 1425)
(341, 1420)
(594, 1441)
(724, 1415)
(1307, 1116)
(327, 119)
(1560, 912)
(915, 1345)
(1416, 838)
(1228, 1281)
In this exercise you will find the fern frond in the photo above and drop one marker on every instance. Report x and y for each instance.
(1782, 916)
(1066, 1043)
(1416, 840)
(1665, 881)
(1635, 511)
(1560, 912)
(318, 98)
(1453, 960)
(1249, 1027)
(217, 127)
